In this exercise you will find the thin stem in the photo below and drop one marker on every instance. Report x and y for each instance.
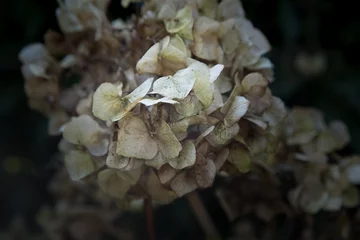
(203, 216)
(149, 216)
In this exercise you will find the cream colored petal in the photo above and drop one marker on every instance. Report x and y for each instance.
(112, 184)
(134, 139)
(215, 72)
(177, 86)
(116, 161)
(107, 104)
(206, 44)
(186, 158)
(174, 55)
(81, 130)
(140, 91)
(182, 24)
(203, 88)
(149, 63)
(189, 106)
(236, 111)
(234, 93)
(157, 162)
(79, 164)
(153, 101)
(98, 148)
(167, 142)
(221, 135)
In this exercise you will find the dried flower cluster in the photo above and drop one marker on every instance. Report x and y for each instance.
(158, 105)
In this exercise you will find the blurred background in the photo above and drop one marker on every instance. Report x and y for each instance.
(316, 49)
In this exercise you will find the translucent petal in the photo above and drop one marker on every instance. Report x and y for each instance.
(140, 91)
(186, 158)
(98, 148)
(206, 44)
(167, 142)
(236, 111)
(177, 86)
(149, 63)
(81, 130)
(107, 104)
(174, 54)
(79, 164)
(153, 101)
(134, 139)
(203, 88)
(215, 72)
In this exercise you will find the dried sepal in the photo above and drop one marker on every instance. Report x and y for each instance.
(85, 131)
(182, 24)
(167, 142)
(177, 86)
(206, 44)
(79, 164)
(236, 111)
(108, 105)
(165, 57)
(186, 158)
(134, 140)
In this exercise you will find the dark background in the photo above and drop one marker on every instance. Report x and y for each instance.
(27, 153)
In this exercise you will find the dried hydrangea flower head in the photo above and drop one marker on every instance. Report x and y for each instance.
(158, 105)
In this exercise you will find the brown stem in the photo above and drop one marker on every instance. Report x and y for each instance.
(149, 215)
(203, 216)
